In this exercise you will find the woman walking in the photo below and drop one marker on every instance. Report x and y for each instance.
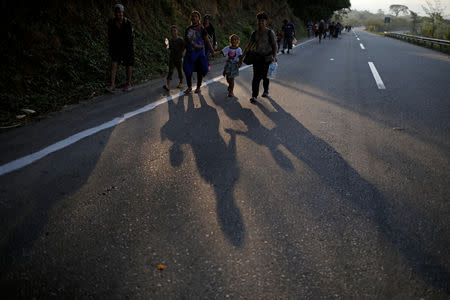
(264, 46)
(195, 59)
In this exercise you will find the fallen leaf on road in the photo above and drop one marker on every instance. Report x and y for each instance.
(160, 267)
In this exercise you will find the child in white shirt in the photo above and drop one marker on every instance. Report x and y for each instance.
(231, 68)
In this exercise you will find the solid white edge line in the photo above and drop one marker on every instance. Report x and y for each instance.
(362, 46)
(376, 76)
(29, 159)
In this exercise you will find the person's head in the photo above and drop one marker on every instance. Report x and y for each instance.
(234, 40)
(206, 20)
(174, 31)
(118, 11)
(262, 19)
(195, 17)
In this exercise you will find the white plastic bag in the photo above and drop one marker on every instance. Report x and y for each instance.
(273, 69)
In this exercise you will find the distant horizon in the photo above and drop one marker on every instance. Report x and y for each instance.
(414, 5)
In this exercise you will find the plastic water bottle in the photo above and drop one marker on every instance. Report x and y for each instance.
(273, 68)
(166, 41)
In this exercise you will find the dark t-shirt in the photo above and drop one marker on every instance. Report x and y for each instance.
(176, 49)
(288, 30)
(120, 39)
(195, 34)
(211, 34)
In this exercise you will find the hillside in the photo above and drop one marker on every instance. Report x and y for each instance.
(56, 51)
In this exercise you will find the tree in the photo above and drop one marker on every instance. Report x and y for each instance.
(434, 13)
(396, 9)
(317, 9)
(415, 20)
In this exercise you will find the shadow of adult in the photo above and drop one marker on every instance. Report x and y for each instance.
(255, 130)
(215, 160)
(334, 171)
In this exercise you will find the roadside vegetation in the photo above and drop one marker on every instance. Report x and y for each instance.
(55, 53)
(432, 25)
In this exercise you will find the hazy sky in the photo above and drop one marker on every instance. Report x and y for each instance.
(414, 5)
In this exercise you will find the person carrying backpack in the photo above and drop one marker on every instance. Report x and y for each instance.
(264, 51)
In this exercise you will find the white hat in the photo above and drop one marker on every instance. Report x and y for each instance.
(119, 7)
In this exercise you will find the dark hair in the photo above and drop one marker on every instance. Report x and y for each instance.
(207, 17)
(262, 16)
(173, 26)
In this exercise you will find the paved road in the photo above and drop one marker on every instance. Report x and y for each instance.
(334, 187)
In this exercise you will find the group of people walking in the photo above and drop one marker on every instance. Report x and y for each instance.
(324, 30)
(192, 52)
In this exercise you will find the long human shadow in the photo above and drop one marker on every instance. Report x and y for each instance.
(333, 170)
(216, 161)
(255, 130)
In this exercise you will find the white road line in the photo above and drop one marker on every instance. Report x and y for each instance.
(377, 77)
(362, 46)
(29, 159)
(358, 39)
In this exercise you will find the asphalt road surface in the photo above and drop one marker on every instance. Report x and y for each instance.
(336, 186)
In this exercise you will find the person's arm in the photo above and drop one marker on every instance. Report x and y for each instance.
(214, 38)
(207, 42)
(274, 46)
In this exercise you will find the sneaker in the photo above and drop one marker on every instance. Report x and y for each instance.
(188, 91)
(166, 87)
(110, 89)
(253, 100)
(127, 88)
(180, 85)
(265, 95)
(197, 90)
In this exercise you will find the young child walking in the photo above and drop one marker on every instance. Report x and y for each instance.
(231, 68)
(176, 48)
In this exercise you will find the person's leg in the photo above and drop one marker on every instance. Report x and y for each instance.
(180, 74)
(264, 70)
(169, 76)
(257, 76)
(128, 75)
(231, 84)
(199, 81)
(189, 84)
(113, 73)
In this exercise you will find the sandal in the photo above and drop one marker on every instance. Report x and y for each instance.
(197, 90)
(166, 87)
(188, 91)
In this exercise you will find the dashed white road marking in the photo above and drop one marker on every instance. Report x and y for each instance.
(29, 159)
(377, 77)
(362, 46)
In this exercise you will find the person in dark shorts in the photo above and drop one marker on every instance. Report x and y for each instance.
(121, 49)
(176, 48)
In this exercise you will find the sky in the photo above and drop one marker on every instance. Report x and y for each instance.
(414, 5)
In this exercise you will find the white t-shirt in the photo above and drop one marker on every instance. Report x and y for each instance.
(232, 55)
